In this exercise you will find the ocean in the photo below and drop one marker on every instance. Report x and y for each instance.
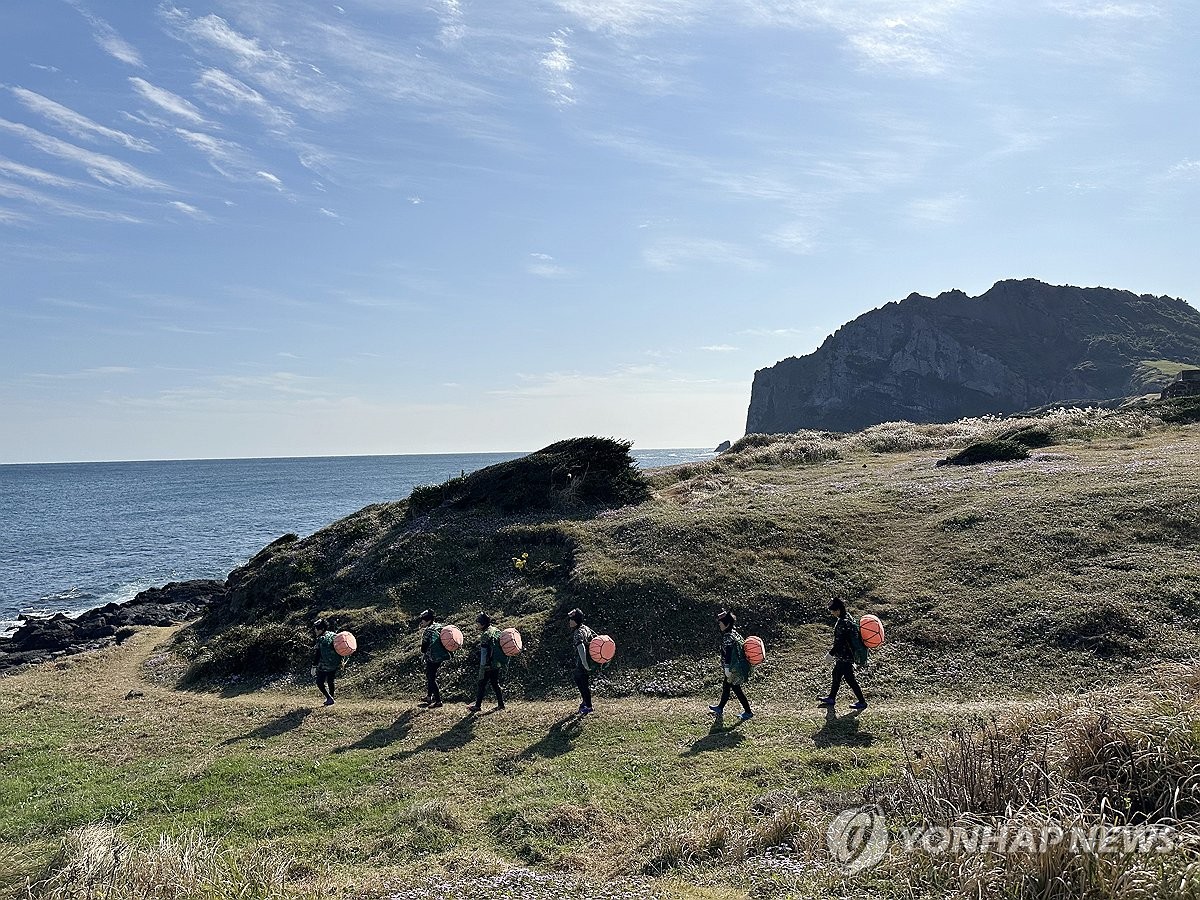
(74, 536)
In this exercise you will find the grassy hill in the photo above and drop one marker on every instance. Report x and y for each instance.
(1079, 559)
(1041, 614)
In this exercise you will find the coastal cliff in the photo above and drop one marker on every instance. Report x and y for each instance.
(1021, 345)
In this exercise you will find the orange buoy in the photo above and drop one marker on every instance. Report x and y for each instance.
(602, 649)
(756, 650)
(452, 638)
(344, 643)
(871, 630)
(510, 641)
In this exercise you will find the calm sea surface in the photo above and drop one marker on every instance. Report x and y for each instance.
(78, 535)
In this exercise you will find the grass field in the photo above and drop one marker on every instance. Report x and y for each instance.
(1028, 604)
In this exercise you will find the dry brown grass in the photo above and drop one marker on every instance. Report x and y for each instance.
(98, 862)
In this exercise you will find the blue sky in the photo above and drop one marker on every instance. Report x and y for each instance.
(258, 228)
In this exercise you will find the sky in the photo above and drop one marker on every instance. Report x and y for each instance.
(263, 228)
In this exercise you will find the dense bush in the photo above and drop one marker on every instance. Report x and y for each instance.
(589, 471)
(985, 452)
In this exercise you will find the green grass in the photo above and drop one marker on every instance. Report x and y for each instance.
(1072, 569)
(381, 787)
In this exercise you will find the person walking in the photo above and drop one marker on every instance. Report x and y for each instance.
(581, 637)
(734, 666)
(490, 656)
(847, 647)
(434, 653)
(326, 661)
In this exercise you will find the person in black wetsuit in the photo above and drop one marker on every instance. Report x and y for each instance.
(843, 651)
(581, 636)
(733, 665)
(326, 662)
(434, 653)
(490, 656)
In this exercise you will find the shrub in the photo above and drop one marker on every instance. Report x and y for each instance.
(589, 471)
(985, 452)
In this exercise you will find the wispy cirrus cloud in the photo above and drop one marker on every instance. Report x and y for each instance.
(77, 124)
(556, 66)
(635, 16)
(108, 39)
(227, 94)
(191, 211)
(104, 169)
(719, 348)
(59, 207)
(279, 73)
(544, 266)
(678, 253)
(943, 209)
(226, 157)
(30, 173)
(167, 101)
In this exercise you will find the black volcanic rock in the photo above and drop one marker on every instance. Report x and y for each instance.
(38, 640)
(1020, 345)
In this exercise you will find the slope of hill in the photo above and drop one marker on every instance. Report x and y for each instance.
(1021, 345)
(1079, 560)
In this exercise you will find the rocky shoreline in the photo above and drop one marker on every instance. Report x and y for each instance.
(42, 639)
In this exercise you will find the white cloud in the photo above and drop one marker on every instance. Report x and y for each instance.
(719, 348)
(453, 23)
(1188, 169)
(271, 179)
(556, 66)
(12, 217)
(329, 213)
(108, 39)
(273, 70)
(628, 16)
(167, 101)
(188, 210)
(775, 332)
(102, 168)
(58, 207)
(544, 266)
(29, 173)
(76, 124)
(678, 253)
(944, 209)
(796, 237)
(226, 93)
(226, 157)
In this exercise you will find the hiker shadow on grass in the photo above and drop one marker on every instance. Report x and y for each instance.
(455, 737)
(383, 737)
(842, 732)
(720, 737)
(282, 725)
(559, 739)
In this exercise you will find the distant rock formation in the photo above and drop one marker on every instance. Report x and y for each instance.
(722, 447)
(1020, 345)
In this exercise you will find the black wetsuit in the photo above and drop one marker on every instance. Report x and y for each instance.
(583, 672)
(843, 653)
(728, 648)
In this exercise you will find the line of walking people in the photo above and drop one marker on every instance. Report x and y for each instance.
(327, 663)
